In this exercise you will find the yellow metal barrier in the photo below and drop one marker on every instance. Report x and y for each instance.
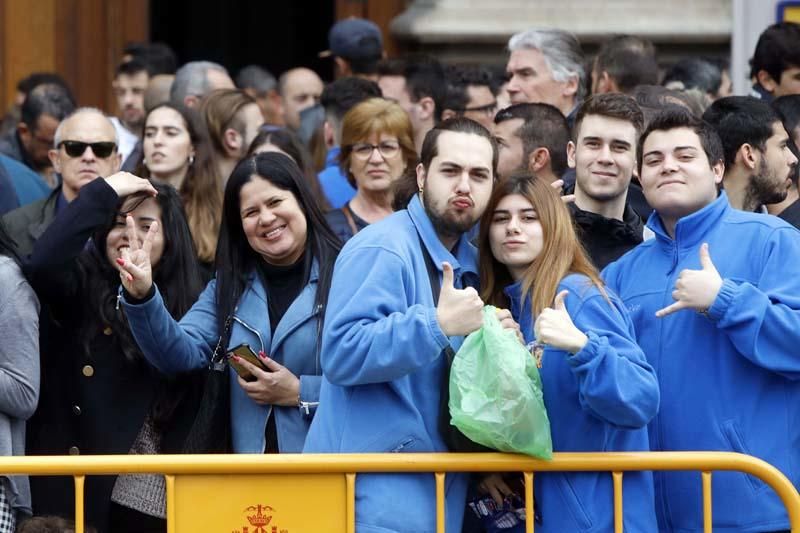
(290, 493)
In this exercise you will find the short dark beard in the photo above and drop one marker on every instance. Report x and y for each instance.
(761, 189)
(445, 228)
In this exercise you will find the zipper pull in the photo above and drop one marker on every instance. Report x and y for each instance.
(119, 297)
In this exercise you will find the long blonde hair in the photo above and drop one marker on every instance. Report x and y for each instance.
(562, 252)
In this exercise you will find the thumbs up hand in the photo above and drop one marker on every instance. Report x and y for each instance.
(695, 289)
(554, 327)
(460, 311)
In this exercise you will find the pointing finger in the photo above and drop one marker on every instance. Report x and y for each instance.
(130, 229)
(677, 306)
(148, 239)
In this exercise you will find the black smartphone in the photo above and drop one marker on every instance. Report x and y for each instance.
(245, 352)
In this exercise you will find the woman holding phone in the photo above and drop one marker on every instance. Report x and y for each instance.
(599, 390)
(274, 266)
(99, 394)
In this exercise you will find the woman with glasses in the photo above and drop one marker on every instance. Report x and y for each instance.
(100, 395)
(19, 376)
(175, 154)
(377, 149)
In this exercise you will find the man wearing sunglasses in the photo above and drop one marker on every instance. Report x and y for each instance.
(85, 148)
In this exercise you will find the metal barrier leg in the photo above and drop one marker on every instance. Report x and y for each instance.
(350, 480)
(618, 514)
(440, 518)
(170, 482)
(529, 518)
(707, 502)
(79, 483)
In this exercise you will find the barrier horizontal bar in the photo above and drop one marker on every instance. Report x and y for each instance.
(390, 462)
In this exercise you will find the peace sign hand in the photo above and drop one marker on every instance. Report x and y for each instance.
(695, 289)
(134, 266)
(555, 328)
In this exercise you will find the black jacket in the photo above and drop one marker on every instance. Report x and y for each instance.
(792, 214)
(607, 239)
(93, 401)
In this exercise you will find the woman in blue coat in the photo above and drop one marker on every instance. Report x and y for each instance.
(599, 391)
(274, 264)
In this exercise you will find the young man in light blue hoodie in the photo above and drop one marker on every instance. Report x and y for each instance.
(384, 334)
(721, 333)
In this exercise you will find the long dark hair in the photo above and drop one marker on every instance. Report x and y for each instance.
(201, 190)
(289, 142)
(176, 274)
(236, 259)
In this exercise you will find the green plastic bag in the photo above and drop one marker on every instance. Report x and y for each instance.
(496, 392)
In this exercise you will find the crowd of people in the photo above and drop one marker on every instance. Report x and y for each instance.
(280, 265)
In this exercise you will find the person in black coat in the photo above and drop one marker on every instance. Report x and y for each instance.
(100, 396)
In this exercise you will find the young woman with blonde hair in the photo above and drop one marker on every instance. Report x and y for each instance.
(599, 390)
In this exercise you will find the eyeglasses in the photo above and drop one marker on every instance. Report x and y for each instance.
(77, 148)
(487, 109)
(387, 149)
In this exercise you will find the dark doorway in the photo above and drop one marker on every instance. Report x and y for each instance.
(275, 34)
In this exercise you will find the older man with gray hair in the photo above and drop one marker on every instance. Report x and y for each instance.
(196, 79)
(84, 148)
(547, 66)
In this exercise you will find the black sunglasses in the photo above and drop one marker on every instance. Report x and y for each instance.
(77, 148)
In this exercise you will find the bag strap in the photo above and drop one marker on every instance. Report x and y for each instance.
(218, 356)
(348, 215)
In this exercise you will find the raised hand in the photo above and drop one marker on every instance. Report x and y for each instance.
(695, 289)
(134, 266)
(558, 185)
(276, 385)
(460, 311)
(555, 328)
(125, 183)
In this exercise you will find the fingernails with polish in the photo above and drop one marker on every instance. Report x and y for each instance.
(120, 261)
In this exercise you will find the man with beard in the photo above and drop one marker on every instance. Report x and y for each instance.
(715, 302)
(129, 86)
(385, 332)
(758, 161)
(603, 154)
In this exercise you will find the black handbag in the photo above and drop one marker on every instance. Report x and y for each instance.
(211, 429)
(452, 436)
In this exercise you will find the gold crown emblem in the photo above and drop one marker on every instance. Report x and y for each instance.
(259, 519)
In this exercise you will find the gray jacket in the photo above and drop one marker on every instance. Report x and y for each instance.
(19, 371)
(27, 223)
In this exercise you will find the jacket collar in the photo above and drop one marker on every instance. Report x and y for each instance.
(630, 225)
(691, 230)
(465, 258)
(36, 229)
(255, 312)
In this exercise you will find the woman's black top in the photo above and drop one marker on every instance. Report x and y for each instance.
(282, 285)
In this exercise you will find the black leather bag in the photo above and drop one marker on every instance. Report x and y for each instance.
(211, 429)
(452, 436)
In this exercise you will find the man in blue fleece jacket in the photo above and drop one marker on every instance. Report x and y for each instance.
(384, 334)
(715, 300)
